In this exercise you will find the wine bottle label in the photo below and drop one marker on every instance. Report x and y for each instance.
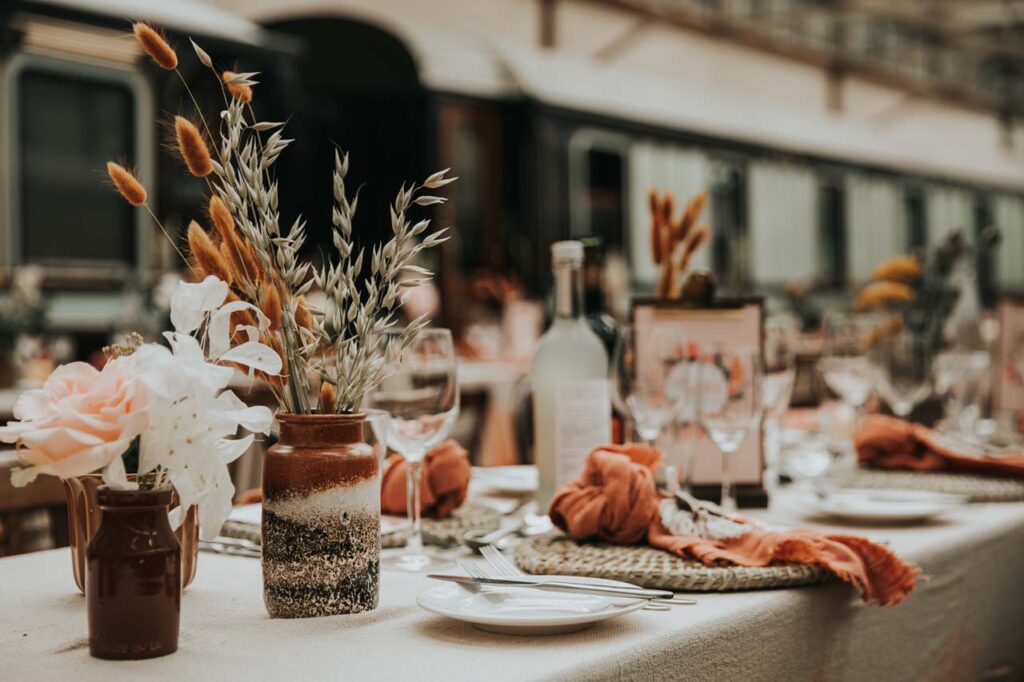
(581, 423)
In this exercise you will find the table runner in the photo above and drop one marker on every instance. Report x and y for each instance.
(962, 623)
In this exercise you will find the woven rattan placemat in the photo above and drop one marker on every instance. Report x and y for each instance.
(977, 488)
(444, 532)
(557, 554)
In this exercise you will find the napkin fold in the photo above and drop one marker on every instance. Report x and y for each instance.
(443, 485)
(615, 500)
(890, 443)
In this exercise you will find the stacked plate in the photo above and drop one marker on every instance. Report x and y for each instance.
(882, 506)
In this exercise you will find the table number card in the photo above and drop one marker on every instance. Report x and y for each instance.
(734, 326)
(1010, 377)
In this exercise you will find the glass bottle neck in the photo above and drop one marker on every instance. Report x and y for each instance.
(568, 291)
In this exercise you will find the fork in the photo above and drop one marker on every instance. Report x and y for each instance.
(505, 568)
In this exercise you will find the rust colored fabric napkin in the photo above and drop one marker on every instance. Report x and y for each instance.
(443, 486)
(615, 500)
(890, 443)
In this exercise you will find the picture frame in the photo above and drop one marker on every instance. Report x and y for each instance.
(734, 322)
(1009, 377)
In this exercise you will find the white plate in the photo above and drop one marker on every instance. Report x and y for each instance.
(525, 611)
(885, 506)
(507, 480)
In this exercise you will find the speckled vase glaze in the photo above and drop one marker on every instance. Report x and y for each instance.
(321, 519)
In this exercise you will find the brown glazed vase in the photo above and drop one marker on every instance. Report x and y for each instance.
(133, 576)
(321, 518)
(84, 519)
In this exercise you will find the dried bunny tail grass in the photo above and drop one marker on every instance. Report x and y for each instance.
(239, 91)
(206, 258)
(192, 147)
(126, 184)
(328, 400)
(220, 215)
(303, 317)
(270, 303)
(155, 46)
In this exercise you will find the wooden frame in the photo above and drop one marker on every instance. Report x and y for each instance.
(748, 463)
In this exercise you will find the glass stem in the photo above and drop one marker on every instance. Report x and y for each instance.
(728, 501)
(689, 455)
(413, 474)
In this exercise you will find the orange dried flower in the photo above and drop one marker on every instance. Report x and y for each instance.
(270, 303)
(192, 147)
(303, 317)
(206, 258)
(327, 398)
(126, 183)
(898, 269)
(155, 46)
(878, 294)
(238, 91)
(220, 215)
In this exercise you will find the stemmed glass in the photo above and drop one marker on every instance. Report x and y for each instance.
(422, 398)
(844, 364)
(641, 389)
(902, 368)
(729, 406)
(777, 388)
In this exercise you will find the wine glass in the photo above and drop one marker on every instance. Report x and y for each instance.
(729, 406)
(422, 397)
(777, 387)
(902, 366)
(640, 386)
(959, 376)
(844, 364)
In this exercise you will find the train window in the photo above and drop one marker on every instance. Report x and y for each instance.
(832, 234)
(597, 187)
(984, 264)
(69, 126)
(917, 219)
(730, 240)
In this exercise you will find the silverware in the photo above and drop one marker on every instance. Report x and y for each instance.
(558, 586)
(505, 568)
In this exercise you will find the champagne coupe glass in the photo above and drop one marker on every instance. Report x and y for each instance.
(777, 387)
(901, 361)
(729, 406)
(422, 397)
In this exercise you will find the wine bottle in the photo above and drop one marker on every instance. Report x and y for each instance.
(571, 406)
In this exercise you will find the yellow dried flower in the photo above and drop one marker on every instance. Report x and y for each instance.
(878, 294)
(898, 269)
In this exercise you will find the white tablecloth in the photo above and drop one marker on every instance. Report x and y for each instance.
(965, 622)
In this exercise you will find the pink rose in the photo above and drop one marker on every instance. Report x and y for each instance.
(77, 423)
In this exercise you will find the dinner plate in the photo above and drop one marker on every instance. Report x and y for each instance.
(884, 506)
(507, 480)
(525, 611)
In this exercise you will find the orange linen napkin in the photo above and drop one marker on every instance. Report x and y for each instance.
(443, 486)
(890, 443)
(615, 500)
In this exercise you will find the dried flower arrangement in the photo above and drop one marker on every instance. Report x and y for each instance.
(920, 294)
(674, 242)
(329, 357)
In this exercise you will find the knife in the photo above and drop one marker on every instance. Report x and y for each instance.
(558, 586)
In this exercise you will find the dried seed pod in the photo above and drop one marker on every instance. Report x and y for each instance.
(155, 46)
(206, 258)
(192, 147)
(270, 303)
(327, 399)
(126, 184)
(239, 91)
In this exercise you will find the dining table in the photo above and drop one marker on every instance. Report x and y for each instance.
(964, 620)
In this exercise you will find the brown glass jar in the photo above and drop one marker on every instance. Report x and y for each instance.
(321, 518)
(84, 519)
(133, 576)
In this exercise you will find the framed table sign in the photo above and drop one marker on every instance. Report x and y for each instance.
(735, 326)
(1009, 394)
